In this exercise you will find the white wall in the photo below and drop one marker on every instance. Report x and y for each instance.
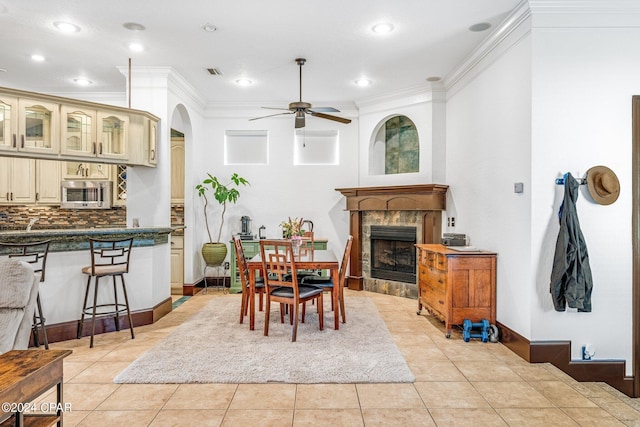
(583, 81)
(555, 97)
(488, 150)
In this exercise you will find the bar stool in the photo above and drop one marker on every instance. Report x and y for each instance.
(108, 258)
(34, 253)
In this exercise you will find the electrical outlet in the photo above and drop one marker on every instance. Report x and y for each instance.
(585, 355)
(588, 351)
(453, 221)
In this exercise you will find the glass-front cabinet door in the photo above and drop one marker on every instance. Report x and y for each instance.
(8, 123)
(94, 133)
(37, 122)
(82, 170)
(112, 137)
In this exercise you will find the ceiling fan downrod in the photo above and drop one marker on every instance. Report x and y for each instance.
(300, 62)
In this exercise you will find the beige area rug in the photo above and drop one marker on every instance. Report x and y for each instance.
(212, 347)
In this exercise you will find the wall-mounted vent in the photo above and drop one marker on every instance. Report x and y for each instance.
(214, 71)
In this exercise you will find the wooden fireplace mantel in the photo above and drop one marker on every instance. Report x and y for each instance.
(428, 198)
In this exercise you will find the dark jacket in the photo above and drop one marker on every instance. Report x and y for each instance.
(571, 281)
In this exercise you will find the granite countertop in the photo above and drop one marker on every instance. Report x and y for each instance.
(71, 239)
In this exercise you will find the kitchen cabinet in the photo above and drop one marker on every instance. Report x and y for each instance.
(144, 140)
(177, 171)
(17, 181)
(28, 125)
(251, 249)
(177, 264)
(94, 133)
(48, 182)
(82, 170)
(457, 285)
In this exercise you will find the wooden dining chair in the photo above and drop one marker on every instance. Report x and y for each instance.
(326, 282)
(243, 271)
(277, 263)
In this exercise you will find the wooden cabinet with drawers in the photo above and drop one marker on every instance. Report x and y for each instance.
(457, 285)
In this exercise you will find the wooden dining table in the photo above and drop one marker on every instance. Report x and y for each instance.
(310, 259)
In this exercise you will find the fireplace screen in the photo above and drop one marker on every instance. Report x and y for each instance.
(393, 254)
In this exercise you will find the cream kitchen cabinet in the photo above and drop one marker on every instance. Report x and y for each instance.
(143, 135)
(48, 182)
(94, 133)
(82, 170)
(28, 126)
(177, 171)
(17, 181)
(177, 264)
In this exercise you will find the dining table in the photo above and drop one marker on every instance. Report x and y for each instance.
(309, 259)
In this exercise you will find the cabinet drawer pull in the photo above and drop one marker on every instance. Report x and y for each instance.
(14, 140)
(37, 197)
(440, 281)
(153, 154)
(93, 151)
(101, 148)
(440, 302)
(8, 196)
(21, 141)
(12, 196)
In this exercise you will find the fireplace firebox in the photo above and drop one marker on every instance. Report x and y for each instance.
(393, 254)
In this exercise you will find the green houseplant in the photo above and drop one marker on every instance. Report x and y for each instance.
(214, 252)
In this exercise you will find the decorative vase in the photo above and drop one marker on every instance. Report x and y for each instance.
(295, 245)
(214, 253)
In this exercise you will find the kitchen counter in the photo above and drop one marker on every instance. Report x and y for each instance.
(75, 239)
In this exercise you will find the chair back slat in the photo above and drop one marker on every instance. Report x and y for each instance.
(110, 253)
(243, 267)
(278, 264)
(345, 261)
(34, 253)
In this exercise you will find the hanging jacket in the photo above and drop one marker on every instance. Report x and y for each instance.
(571, 281)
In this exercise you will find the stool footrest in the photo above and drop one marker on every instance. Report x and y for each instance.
(115, 309)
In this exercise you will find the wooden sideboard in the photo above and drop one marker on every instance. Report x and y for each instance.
(457, 285)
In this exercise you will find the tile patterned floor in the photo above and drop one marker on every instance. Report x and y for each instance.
(457, 384)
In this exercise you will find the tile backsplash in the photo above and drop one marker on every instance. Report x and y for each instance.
(18, 217)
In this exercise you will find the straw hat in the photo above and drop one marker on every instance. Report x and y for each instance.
(603, 185)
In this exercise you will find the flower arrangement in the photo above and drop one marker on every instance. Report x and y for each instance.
(292, 228)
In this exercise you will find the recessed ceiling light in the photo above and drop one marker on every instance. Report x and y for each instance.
(66, 27)
(363, 82)
(434, 79)
(482, 26)
(210, 28)
(37, 58)
(133, 26)
(244, 82)
(382, 28)
(82, 81)
(136, 47)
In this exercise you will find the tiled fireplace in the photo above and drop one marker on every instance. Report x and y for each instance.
(405, 209)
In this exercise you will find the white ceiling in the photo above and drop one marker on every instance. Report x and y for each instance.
(257, 39)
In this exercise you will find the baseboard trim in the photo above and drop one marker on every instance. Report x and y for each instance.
(558, 353)
(68, 330)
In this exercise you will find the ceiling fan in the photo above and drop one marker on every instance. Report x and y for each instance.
(300, 109)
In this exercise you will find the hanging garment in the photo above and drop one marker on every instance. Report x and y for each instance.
(571, 281)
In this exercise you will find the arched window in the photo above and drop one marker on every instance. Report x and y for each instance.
(396, 148)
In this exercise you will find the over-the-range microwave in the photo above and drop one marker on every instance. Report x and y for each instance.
(86, 195)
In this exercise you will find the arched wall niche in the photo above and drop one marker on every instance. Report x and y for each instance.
(394, 147)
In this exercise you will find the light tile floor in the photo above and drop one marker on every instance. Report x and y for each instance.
(457, 383)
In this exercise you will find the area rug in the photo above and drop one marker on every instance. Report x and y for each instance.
(213, 347)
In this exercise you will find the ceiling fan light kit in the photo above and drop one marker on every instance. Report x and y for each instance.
(300, 108)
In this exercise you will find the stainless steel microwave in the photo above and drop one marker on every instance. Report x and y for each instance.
(86, 195)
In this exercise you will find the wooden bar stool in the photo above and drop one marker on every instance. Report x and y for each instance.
(34, 253)
(108, 258)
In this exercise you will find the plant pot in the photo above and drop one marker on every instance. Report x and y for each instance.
(214, 253)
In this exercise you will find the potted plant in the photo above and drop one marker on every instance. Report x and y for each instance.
(214, 252)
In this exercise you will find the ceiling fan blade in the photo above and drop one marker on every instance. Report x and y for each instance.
(299, 120)
(330, 117)
(275, 108)
(270, 115)
(324, 110)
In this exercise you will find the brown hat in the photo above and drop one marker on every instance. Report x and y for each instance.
(603, 185)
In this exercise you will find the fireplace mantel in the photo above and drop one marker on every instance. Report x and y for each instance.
(428, 198)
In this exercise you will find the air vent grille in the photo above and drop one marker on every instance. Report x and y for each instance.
(214, 71)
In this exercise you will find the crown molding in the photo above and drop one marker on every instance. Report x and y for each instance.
(586, 6)
(418, 94)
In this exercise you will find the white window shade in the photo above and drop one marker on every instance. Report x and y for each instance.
(316, 147)
(246, 147)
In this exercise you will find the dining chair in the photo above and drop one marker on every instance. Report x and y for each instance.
(243, 272)
(326, 283)
(277, 262)
(34, 253)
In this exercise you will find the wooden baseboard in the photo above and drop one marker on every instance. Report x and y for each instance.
(558, 353)
(68, 330)
(355, 283)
